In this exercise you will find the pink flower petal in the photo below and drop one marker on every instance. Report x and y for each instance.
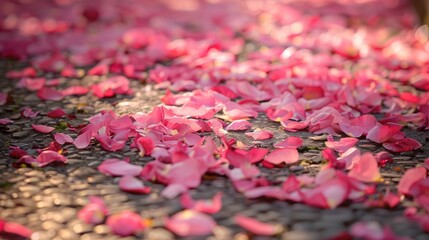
(50, 94)
(133, 185)
(4, 121)
(116, 167)
(410, 177)
(83, 140)
(366, 169)
(3, 98)
(238, 125)
(256, 227)
(402, 145)
(94, 212)
(47, 157)
(28, 113)
(205, 206)
(283, 155)
(42, 128)
(15, 229)
(62, 138)
(290, 142)
(343, 145)
(381, 133)
(190, 223)
(56, 113)
(259, 134)
(125, 223)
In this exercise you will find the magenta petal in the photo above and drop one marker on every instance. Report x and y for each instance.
(256, 227)
(4, 121)
(189, 223)
(83, 140)
(133, 185)
(284, 155)
(125, 223)
(381, 133)
(56, 113)
(42, 128)
(116, 167)
(410, 177)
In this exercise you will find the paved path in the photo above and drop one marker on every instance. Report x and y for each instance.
(47, 199)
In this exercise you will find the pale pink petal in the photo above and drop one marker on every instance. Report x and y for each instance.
(366, 169)
(290, 142)
(42, 128)
(47, 157)
(190, 223)
(259, 134)
(410, 177)
(205, 206)
(256, 227)
(238, 125)
(62, 138)
(283, 155)
(116, 167)
(173, 190)
(125, 223)
(83, 140)
(133, 185)
(56, 113)
(50, 94)
(94, 212)
(343, 145)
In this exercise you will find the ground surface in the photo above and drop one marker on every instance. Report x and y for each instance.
(47, 200)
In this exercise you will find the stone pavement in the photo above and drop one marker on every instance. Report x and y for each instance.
(47, 199)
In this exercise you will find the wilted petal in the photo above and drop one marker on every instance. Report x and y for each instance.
(116, 167)
(189, 223)
(42, 128)
(125, 223)
(284, 155)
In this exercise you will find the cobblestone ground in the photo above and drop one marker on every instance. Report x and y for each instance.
(47, 200)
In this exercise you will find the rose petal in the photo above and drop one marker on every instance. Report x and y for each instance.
(256, 227)
(42, 128)
(116, 167)
(284, 155)
(190, 223)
